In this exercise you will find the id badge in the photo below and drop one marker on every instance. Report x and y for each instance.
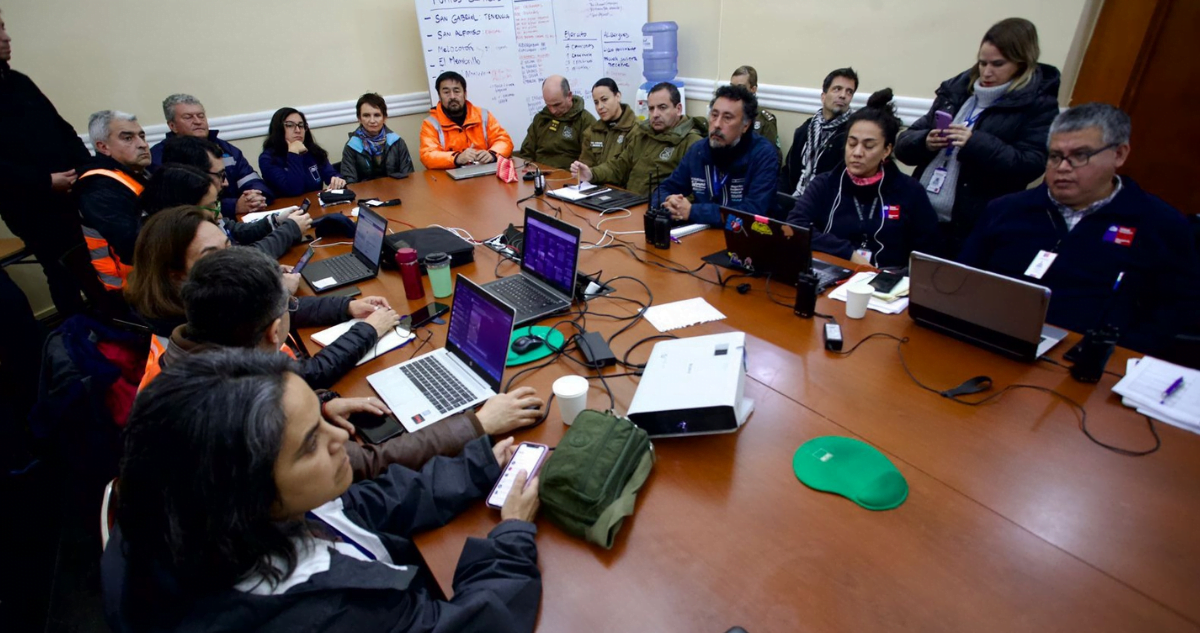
(937, 180)
(1041, 263)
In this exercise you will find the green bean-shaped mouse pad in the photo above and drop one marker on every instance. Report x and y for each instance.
(856, 470)
(551, 338)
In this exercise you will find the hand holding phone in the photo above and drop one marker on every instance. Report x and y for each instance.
(942, 119)
(528, 458)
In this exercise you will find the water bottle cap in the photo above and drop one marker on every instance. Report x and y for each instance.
(406, 256)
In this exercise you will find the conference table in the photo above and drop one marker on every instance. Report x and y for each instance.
(1014, 521)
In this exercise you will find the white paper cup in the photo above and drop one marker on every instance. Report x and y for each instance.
(571, 393)
(857, 298)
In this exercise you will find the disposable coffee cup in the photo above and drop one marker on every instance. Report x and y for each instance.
(857, 298)
(571, 393)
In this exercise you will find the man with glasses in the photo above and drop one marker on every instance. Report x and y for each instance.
(1111, 253)
(245, 192)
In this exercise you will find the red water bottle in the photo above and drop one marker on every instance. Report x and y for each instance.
(410, 272)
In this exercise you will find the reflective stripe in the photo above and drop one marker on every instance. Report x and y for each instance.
(253, 175)
(484, 114)
(438, 126)
(158, 347)
(109, 269)
(121, 177)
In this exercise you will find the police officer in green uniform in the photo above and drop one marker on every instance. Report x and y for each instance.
(766, 125)
(555, 136)
(654, 148)
(606, 137)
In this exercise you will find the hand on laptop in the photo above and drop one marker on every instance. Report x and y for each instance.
(338, 410)
(365, 307)
(581, 172)
(383, 320)
(504, 412)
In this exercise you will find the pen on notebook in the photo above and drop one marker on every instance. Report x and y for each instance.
(1171, 390)
(675, 239)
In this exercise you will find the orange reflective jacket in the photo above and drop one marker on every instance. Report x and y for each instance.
(442, 138)
(109, 269)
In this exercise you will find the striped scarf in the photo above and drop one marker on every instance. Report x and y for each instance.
(818, 127)
(376, 145)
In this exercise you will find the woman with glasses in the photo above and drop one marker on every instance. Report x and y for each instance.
(291, 162)
(374, 151)
(985, 135)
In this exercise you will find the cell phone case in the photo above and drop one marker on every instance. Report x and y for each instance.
(509, 466)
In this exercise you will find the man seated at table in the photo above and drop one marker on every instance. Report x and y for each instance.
(556, 132)
(245, 278)
(1111, 253)
(107, 192)
(457, 132)
(654, 148)
(246, 191)
(736, 168)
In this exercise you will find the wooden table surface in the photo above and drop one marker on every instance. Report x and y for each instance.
(1014, 520)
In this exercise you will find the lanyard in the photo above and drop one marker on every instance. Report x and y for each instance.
(862, 223)
(345, 539)
(718, 185)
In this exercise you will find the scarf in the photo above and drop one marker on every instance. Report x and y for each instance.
(981, 99)
(376, 145)
(818, 127)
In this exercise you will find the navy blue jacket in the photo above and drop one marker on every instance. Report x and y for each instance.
(242, 176)
(497, 584)
(1160, 293)
(748, 184)
(294, 174)
(900, 221)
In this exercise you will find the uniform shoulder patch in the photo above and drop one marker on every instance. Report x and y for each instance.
(768, 115)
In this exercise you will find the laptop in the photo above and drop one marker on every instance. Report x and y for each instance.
(472, 171)
(549, 259)
(760, 245)
(357, 265)
(992, 311)
(460, 375)
(601, 199)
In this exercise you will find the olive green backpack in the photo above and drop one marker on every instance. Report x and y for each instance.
(591, 480)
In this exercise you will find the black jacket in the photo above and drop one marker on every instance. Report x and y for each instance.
(110, 207)
(265, 236)
(497, 584)
(34, 142)
(1007, 150)
(832, 156)
(357, 166)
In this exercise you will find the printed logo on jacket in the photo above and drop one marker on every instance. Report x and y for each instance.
(1120, 235)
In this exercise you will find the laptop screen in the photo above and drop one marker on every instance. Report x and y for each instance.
(551, 251)
(480, 328)
(368, 236)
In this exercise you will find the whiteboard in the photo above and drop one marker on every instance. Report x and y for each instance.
(505, 48)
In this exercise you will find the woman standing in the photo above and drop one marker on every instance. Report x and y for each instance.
(292, 162)
(995, 143)
(870, 212)
(373, 150)
(605, 138)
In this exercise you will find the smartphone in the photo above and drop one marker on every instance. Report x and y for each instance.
(347, 291)
(305, 205)
(529, 457)
(308, 254)
(886, 281)
(942, 119)
(426, 314)
(376, 429)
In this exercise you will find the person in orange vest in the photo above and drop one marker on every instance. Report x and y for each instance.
(457, 132)
(107, 192)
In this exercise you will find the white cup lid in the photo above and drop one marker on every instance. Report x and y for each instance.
(570, 386)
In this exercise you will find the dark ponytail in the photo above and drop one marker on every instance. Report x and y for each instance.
(607, 83)
(882, 112)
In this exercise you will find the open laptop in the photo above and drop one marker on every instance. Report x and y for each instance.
(472, 171)
(999, 313)
(760, 245)
(464, 373)
(359, 264)
(549, 259)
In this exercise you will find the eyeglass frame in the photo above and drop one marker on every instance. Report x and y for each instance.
(292, 125)
(1054, 159)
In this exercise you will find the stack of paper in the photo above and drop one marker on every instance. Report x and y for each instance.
(1145, 388)
(387, 343)
(258, 215)
(893, 303)
(672, 316)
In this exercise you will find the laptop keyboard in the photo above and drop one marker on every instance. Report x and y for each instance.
(443, 389)
(524, 295)
(346, 267)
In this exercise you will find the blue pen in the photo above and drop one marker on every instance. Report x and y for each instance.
(1172, 389)
(1120, 276)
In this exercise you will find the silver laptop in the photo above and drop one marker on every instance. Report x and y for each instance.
(549, 261)
(472, 171)
(999, 313)
(466, 372)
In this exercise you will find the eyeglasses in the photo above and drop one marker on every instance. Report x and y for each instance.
(293, 304)
(220, 176)
(294, 126)
(1075, 159)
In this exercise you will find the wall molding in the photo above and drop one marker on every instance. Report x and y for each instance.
(806, 100)
(239, 126)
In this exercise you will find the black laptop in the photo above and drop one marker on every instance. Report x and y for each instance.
(357, 265)
(612, 200)
(759, 245)
(549, 259)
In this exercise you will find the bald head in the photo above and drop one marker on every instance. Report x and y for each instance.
(556, 92)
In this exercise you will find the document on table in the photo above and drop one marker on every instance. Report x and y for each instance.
(677, 314)
(879, 301)
(386, 343)
(258, 215)
(1146, 380)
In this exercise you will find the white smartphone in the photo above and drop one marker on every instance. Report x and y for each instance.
(529, 457)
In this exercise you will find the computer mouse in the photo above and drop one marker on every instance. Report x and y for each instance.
(526, 344)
